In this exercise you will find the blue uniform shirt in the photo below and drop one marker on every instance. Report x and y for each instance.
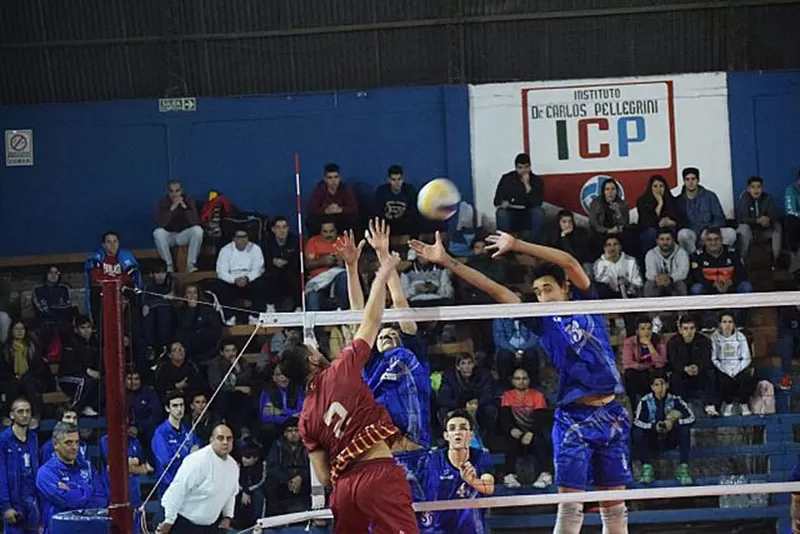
(18, 465)
(165, 444)
(443, 482)
(579, 348)
(134, 451)
(78, 494)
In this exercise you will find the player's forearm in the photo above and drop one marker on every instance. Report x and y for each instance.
(498, 292)
(485, 484)
(565, 260)
(400, 302)
(373, 311)
(354, 291)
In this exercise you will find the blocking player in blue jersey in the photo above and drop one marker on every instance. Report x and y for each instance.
(456, 472)
(591, 429)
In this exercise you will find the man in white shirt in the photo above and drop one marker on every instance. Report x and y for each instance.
(202, 497)
(240, 266)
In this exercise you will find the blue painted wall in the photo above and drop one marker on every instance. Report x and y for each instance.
(764, 110)
(103, 166)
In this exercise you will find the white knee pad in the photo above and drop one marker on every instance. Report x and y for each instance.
(615, 519)
(569, 519)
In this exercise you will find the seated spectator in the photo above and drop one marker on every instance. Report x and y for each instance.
(79, 369)
(234, 401)
(703, 211)
(518, 199)
(239, 283)
(23, 371)
(426, 284)
(516, 346)
(689, 361)
(177, 373)
(178, 224)
(169, 440)
(459, 243)
(465, 382)
(482, 261)
(64, 414)
(158, 315)
(663, 422)
(471, 404)
(657, 208)
(137, 465)
(289, 479)
(203, 423)
(282, 260)
(5, 310)
(642, 353)
(251, 503)
(788, 343)
(328, 276)
(791, 222)
(616, 274)
(609, 215)
(666, 267)
(332, 200)
(108, 262)
(280, 401)
(757, 218)
(199, 325)
(573, 240)
(734, 377)
(145, 407)
(19, 462)
(523, 420)
(396, 202)
(53, 304)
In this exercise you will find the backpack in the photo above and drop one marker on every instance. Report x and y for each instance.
(763, 400)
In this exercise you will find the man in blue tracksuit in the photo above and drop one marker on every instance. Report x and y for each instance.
(68, 415)
(170, 438)
(19, 461)
(65, 481)
(703, 210)
(137, 465)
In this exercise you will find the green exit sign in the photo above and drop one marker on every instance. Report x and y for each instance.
(168, 105)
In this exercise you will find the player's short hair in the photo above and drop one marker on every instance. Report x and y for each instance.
(230, 340)
(665, 230)
(687, 319)
(714, 230)
(172, 395)
(522, 159)
(62, 429)
(609, 237)
(331, 167)
(565, 214)
(655, 374)
(459, 413)
(64, 408)
(549, 269)
(293, 361)
(394, 169)
(643, 319)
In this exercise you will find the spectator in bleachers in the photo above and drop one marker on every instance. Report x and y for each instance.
(657, 208)
(481, 261)
(79, 368)
(328, 276)
(64, 414)
(333, 200)
(65, 481)
(158, 315)
(199, 325)
(108, 262)
(234, 401)
(791, 222)
(177, 372)
(756, 216)
(19, 462)
(666, 267)
(396, 202)
(516, 346)
(282, 260)
(203, 424)
(523, 414)
(574, 240)
(280, 401)
(662, 423)
(288, 475)
(734, 377)
(23, 370)
(689, 361)
(518, 199)
(5, 310)
(251, 503)
(178, 224)
(168, 440)
(426, 284)
(788, 343)
(53, 304)
(464, 382)
(642, 353)
(460, 243)
(471, 404)
(609, 215)
(137, 465)
(703, 211)
(144, 405)
(616, 274)
(240, 281)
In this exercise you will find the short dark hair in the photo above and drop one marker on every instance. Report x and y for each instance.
(643, 319)
(687, 319)
(294, 363)
(655, 374)
(565, 213)
(714, 230)
(727, 313)
(690, 170)
(159, 266)
(225, 341)
(753, 179)
(394, 169)
(327, 221)
(460, 412)
(549, 269)
(608, 237)
(665, 230)
(278, 219)
(64, 408)
(82, 319)
(522, 159)
(173, 395)
(108, 233)
(331, 167)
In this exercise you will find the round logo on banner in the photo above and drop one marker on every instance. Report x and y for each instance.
(591, 190)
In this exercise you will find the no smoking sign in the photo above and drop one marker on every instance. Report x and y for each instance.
(19, 148)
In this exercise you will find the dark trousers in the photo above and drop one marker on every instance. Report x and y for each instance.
(690, 387)
(649, 444)
(184, 526)
(637, 384)
(788, 347)
(282, 284)
(539, 450)
(734, 390)
(158, 327)
(791, 225)
(82, 391)
(233, 295)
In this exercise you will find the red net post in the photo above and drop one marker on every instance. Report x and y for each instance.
(116, 412)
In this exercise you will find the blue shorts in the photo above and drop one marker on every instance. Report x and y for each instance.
(413, 463)
(591, 446)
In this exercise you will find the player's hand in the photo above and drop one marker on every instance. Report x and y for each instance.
(388, 265)
(468, 473)
(163, 528)
(224, 524)
(63, 486)
(347, 249)
(378, 236)
(500, 243)
(246, 500)
(10, 516)
(516, 433)
(434, 253)
(527, 438)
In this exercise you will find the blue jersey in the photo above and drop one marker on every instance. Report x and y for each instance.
(134, 451)
(579, 348)
(402, 384)
(167, 441)
(18, 465)
(48, 451)
(443, 482)
(63, 488)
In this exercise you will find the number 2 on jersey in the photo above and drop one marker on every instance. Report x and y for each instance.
(336, 414)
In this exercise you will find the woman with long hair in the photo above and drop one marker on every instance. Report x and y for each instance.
(657, 209)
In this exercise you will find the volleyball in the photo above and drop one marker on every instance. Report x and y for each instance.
(438, 199)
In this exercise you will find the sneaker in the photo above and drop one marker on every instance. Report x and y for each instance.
(511, 481)
(745, 408)
(682, 475)
(89, 412)
(786, 382)
(543, 481)
(191, 268)
(647, 475)
(727, 410)
(230, 321)
(711, 411)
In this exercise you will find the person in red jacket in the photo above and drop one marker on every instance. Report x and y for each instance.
(334, 201)
(641, 353)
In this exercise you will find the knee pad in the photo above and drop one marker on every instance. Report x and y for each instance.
(615, 519)
(569, 519)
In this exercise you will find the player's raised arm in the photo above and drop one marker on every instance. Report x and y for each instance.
(350, 252)
(435, 253)
(376, 303)
(503, 242)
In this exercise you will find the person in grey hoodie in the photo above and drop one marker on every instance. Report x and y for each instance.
(734, 377)
(666, 267)
(703, 210)
(755, 213)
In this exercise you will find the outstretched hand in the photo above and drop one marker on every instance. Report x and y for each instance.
(500, 243)
(434, 253)
(389, 264)
(378, 236)
(347, 249)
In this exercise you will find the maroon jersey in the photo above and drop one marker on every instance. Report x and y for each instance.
(340, 414)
